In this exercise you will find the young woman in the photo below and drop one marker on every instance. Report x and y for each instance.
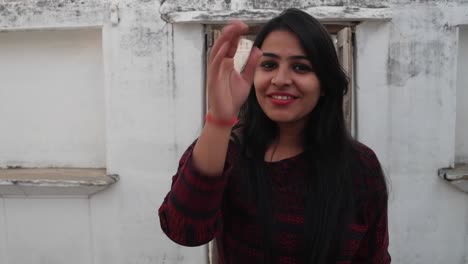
(285, 184)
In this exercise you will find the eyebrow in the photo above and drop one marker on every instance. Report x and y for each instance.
(296, 57)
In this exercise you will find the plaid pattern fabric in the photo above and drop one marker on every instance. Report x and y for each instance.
(199, 208)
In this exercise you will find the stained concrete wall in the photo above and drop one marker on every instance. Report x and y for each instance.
(406, 112)
(406, 72)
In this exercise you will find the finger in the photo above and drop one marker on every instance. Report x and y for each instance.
(237, 34)
(227, 34)
(249, 68)
(217, 60)
(239, 23)
(233, 45)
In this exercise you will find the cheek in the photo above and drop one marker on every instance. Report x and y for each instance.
(313, 86)
(261, 87)
(261, 80)
(311, 92)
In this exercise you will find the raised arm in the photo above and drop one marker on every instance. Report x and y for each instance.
(227, 91)
(191, 212)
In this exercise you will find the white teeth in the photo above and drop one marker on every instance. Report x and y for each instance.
(282, 97)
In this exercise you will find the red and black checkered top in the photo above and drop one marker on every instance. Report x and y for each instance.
(199, 208)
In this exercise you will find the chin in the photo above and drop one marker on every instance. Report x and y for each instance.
(282, 118)
(286, 118)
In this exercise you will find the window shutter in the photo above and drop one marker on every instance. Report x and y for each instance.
(345, 55)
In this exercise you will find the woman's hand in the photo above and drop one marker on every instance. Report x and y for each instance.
(227, 88)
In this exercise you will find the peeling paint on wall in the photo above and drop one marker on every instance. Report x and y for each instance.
(51, 13)
(142, 41)
(215, 5)
(408, 60)
(324, 13)
(422, 44)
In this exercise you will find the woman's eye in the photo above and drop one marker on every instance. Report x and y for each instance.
(268, 65)
(302, 68)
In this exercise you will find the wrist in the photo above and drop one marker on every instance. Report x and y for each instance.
(220, 122)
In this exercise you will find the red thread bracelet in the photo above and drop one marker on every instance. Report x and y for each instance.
(209, 118)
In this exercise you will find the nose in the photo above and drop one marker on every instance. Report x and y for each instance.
(282, 77)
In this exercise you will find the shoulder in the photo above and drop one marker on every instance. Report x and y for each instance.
(364, 156)
(367, 171)
(369, 181)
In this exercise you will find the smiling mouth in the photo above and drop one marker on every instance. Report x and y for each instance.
(281, 99)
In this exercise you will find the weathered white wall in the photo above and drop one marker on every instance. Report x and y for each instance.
(52, 99)
(152, 97)
(406, 112)
(155, 110)
(153, 100)
(47, 231)
(461, 141)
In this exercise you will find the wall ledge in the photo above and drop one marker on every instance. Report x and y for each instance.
(457, 176)
(54, 181)
(322, 13)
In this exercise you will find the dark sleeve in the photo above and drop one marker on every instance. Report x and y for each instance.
(191, 212)
(373, 249)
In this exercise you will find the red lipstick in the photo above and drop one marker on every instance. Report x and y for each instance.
(281, 98)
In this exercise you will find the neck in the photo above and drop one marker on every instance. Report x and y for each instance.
(288, 143)
(290, 135)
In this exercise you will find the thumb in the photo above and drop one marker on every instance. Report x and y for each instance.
(249, 68)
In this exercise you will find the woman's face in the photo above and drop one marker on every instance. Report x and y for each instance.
(286, 86)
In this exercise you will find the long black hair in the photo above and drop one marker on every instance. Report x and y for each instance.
(329, 199)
